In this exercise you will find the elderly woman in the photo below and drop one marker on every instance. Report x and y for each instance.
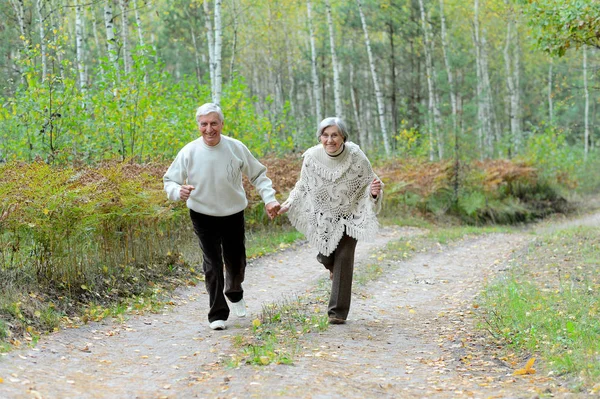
(334, 205)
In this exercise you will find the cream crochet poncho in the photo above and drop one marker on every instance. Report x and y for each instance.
(333, 195)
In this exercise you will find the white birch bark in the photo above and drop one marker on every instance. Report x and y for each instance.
(196, 52)
(97, 40)
(378, 93)
(125, 35)
(550, 103)
(140, 30)
(482, 115)
(110, 36)
(449, 72)
(211, 45)
(517, 80)
(488, 99)
(510, 84)
(434, 117)
(235, 39)
(290, 68)
(217, 53)
(362, 138)
(337, 87)
(39, 4)
(79, 41)
(19, 12)
(586, 93)
(315, 76)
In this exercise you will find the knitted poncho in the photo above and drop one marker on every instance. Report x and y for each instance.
(332, 196)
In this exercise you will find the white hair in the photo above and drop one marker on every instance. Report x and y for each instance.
(333, 121)
(209, 108)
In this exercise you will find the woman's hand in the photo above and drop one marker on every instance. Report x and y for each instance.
(375, 188)
(284, 208)
(185, 191)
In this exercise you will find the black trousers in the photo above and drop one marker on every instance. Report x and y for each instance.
(222, 240)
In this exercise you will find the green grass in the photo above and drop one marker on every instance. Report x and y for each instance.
(276, 335)
(549, 304)
(263, 241)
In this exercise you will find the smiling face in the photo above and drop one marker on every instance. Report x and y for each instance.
(210, 127)
(332, 139)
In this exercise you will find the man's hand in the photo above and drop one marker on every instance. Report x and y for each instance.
(272, 209)
(184, 192)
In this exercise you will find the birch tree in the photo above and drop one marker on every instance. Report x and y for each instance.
(378, 93)
(483, 104)
(315, 76)
(449, 72)
(111, 41)
(215, 38)
(586, 117)
(125, 35)
(140, 30)
(80, 44)
(337, 89)
(39, 4)
(550, 104)
(217, 53)
(434, 118)
(20, 13)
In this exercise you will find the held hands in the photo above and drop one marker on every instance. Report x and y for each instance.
(272, 209)
(284, 208)
(375, 188)
(185, 191)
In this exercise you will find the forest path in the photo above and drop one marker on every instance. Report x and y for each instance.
(410, 334)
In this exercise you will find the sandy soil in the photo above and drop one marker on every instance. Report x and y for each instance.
(410, 334)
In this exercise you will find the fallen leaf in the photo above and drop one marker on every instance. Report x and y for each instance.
(528, 369)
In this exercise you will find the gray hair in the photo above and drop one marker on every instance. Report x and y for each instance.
(333, 121)
(209, 108)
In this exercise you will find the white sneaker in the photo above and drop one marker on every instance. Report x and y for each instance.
(218, 325)
(239, 308)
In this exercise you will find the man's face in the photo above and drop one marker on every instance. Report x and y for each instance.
(210, 127)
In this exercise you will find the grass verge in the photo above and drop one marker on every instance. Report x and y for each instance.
(548, 305)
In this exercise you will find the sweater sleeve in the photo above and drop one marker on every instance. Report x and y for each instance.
(257, 174)
(175, 176)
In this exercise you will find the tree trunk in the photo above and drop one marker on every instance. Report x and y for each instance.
(378, 93)
(217, 53)
(20, 13)
(510, 85)
(125, 35)
(362, 139)
(393, 98)
(80, 44)
(39, 4)
(586, 121)
(211, 45)
(142, 42)
(434, 118)
(110, 36)
(235, 40)
(315, 76)
(446, 51)
(482, 114)
(550, 104)
(337, 87)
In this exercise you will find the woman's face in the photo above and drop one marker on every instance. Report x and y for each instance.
(332, 139)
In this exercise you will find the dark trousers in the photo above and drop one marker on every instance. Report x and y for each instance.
(341, 263)
(222, 239)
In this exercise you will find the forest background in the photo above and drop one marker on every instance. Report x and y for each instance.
(480, 111)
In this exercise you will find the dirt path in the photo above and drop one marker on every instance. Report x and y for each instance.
(409, 334)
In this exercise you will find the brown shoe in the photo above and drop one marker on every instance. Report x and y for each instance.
(331, 275)
(336, 320)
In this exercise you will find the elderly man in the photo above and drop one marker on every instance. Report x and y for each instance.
(207, 174)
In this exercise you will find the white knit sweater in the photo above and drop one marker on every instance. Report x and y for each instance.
(216, 173)
(333, 196)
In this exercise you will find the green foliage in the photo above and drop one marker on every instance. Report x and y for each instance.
(549, 303)
(276, 334)
(560, 24)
